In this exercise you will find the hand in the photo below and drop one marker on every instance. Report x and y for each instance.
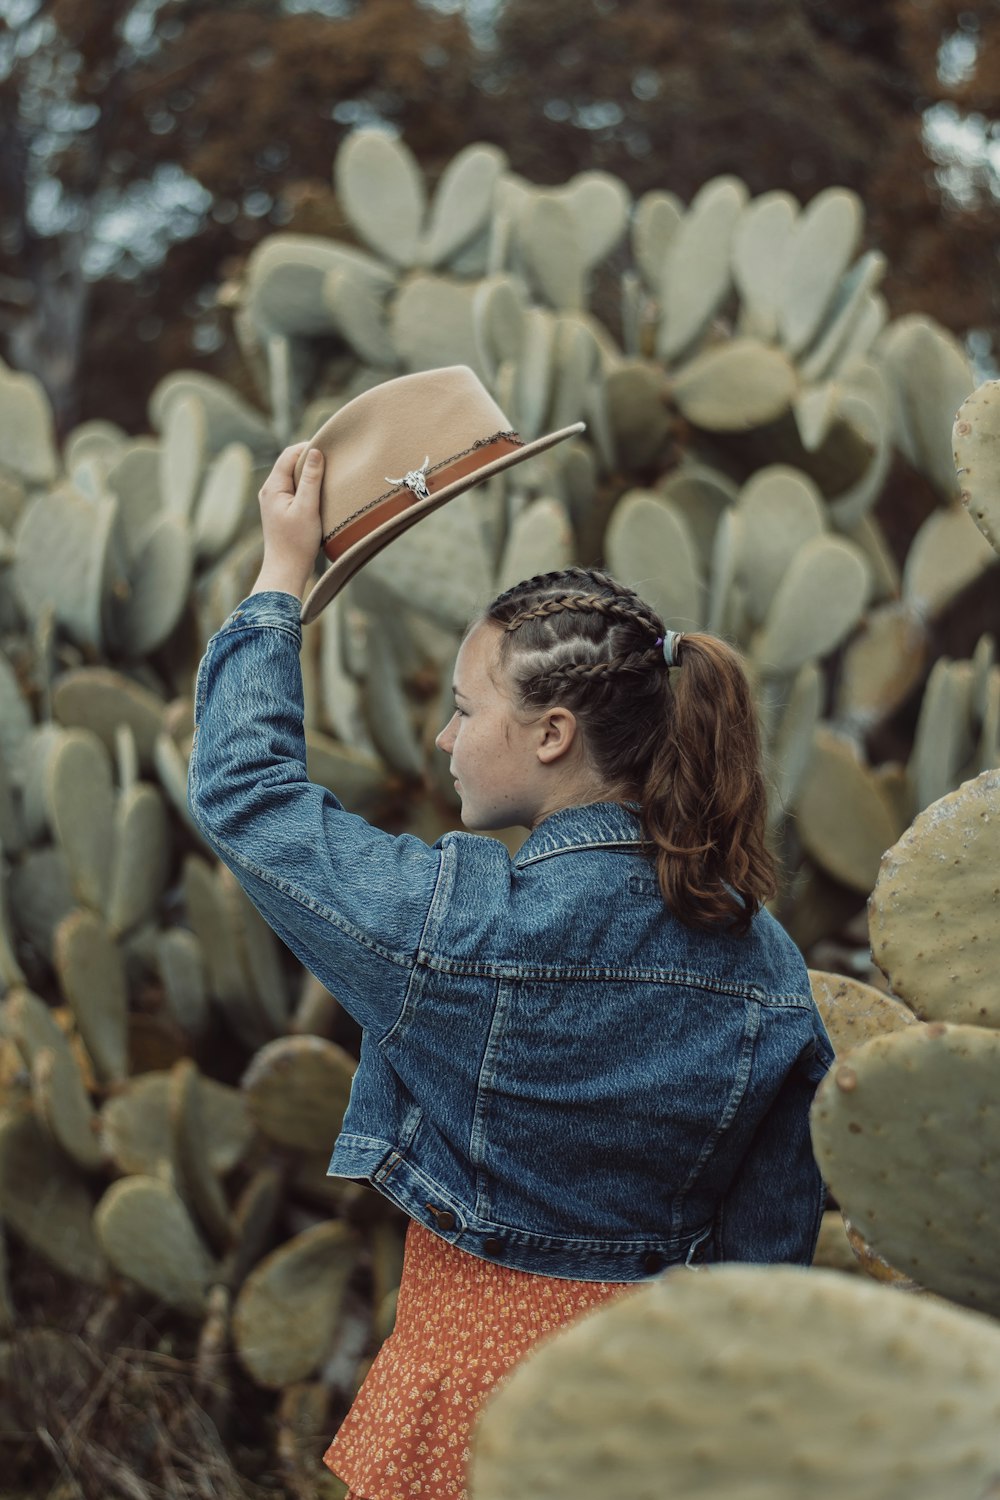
(291, 522)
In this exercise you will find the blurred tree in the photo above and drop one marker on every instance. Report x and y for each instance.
(146, 146)
(897, 99)
(149, 144)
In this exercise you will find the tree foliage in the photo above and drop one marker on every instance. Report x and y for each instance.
(200, 129)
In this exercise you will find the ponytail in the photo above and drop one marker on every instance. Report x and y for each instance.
(704, 803)
(682, 743)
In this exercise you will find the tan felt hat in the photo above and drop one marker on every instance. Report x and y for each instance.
(397, 452)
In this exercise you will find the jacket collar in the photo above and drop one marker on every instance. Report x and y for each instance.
(593, 825)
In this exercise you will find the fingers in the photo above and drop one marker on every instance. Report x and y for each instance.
(281, 480)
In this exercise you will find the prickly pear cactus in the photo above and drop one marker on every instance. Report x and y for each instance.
(740, 425)
(905, 1132)
(736, 1380)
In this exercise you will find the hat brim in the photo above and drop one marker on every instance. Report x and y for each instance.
(339, 572)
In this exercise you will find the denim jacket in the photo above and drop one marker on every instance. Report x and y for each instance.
(555, 1073)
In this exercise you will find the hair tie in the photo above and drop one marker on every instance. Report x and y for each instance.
(669, 643)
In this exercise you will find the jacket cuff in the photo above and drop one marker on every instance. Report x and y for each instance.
(269, 607)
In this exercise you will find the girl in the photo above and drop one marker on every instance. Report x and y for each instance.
(580, 1065)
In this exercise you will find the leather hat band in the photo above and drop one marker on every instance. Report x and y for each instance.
(363, 522)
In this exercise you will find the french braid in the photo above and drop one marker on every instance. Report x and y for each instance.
(585, 640)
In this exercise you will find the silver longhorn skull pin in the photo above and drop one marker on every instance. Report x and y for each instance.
(415, 480)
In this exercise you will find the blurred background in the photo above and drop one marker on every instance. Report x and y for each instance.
(148, 147)
(754, 244)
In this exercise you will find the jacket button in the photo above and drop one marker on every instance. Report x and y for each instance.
(445, 1217)
(493, 1247)
(653, 1261)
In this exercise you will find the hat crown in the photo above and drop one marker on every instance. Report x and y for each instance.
(388, 431)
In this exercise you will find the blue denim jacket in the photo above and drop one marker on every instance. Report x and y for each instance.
(555, 1073)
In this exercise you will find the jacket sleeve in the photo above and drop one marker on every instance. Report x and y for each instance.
(772, 1210)
(349, 900)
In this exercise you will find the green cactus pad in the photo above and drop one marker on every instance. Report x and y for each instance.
(696, 268)
(29, 448)
(599, 202)
(649, 547)
(380, 187)
(297, 1090)
(286, 1314)
(15, 717)
(259, 952)
(62, 1105)
(142, 858)
(462, 202)
(882, 665)
(848, 847)
(634, 393)
(135, 1125)
(147, 1234)
(99, 699)
(40, 894)
(181, 966)
(850, 305)
(134, 477)
(92, 975)
(229, 418)
(81, 800)
(45, 1201)
(142, 617)
(540, 540)
(431, 325)
(550, 245)
(907, 1134)
(183, 453)
(739, 385)
(790, 750)
(945, 738)
(976, 452)
(702, 495)
(63, 561)
(223, 502)
(657, 218)
(946, 554)
(854, 1012)
(197, 1183)
(932, 378)
(937, 940)
(357, 307)
(782, 509)
(820, 248)
(760, 243)
(745, 1382)
(818, 602)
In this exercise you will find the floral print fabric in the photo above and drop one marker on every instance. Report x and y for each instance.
(461, 1324)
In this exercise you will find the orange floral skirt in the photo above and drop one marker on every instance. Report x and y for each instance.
(461, 1323)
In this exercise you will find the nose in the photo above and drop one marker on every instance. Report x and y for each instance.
(441, 738)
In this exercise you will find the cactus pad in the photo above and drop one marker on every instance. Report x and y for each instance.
(848, 848)
(286, 1313)
(137, 1130)
(45, 1201)
(934, 915)
(854, 1012)
(744, 1382)
(907, 1133)
(92, 974)
(148, 1236)
(976, 444)
(297, 1090)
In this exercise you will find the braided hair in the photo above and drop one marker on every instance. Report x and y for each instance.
(682, 743)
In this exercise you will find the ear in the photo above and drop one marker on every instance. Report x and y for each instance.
(557, 732)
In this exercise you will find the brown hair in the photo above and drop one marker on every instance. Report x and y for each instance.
(682, 743)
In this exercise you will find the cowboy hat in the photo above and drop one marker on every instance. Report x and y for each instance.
(397, 452)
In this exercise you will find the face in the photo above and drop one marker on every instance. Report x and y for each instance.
(507, 771)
